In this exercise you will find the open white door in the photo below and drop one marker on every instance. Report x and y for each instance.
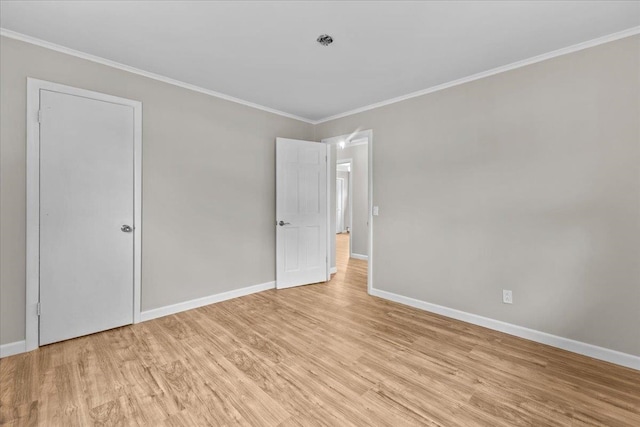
(301, 213)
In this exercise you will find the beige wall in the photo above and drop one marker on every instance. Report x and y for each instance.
(528, 180)
(208, 182)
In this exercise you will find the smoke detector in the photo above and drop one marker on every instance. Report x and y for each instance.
(324, 39)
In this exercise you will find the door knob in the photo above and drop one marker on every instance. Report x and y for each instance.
(282, 223)
(126, 229)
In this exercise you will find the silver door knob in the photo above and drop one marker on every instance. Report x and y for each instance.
(282, 223)
(126, 228)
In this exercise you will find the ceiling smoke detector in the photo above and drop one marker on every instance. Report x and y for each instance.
(325, 39)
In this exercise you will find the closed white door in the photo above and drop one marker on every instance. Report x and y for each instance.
(86, 216)
(301, 213)
(339, 205)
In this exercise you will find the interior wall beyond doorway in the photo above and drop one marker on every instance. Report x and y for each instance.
(344, 175)
(358, 154)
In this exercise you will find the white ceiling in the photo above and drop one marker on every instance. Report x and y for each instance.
(266, 53)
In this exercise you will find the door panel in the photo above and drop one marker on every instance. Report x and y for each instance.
(86, 196)
(291, 249)
(301, 204)
(313, 245)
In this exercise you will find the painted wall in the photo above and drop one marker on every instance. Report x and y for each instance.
(208, 182)
(528, 180)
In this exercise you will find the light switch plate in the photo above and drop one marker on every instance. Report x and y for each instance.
(375, 211)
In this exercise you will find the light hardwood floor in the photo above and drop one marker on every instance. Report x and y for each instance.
(324, 354)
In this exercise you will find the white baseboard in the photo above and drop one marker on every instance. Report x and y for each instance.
(360, 256)
(20, 346)
(333, 270)
(12, 348)
(199, 302)
(601, 353)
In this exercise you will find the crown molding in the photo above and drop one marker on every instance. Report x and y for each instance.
(515, 65)
(93, 58)
(502, 69)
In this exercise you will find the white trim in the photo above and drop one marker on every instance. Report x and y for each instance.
(12, 348)
(137, 212)
(330, 233)
(327, 171)
(518, 64)
(370, 253)
(354, 142)
(93, 58)
(18, 347)
(514, 65)
(200, 302)
(33, 199)
(601, 353)
(360, 256)
(33, 218)
(334, 270)
(368, 134)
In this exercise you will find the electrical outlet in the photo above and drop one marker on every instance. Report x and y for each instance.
(507, 296)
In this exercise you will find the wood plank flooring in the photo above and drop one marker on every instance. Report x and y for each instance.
(326, 354)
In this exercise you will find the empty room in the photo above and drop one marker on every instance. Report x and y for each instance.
(320, 213)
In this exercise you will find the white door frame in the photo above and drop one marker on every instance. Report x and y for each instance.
(334, 141)
(33, 198)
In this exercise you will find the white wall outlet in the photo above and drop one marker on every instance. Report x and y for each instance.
(507, 296)
(375, 211)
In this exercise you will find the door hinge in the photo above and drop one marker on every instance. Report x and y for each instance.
(39, 116)
(38, 309)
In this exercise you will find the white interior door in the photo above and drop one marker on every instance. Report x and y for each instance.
(301, 213)
(339, 205)
(86, 215)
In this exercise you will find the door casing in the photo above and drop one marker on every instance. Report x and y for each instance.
(33, 198)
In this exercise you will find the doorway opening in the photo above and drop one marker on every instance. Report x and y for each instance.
(350, 201)
(344, 211)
